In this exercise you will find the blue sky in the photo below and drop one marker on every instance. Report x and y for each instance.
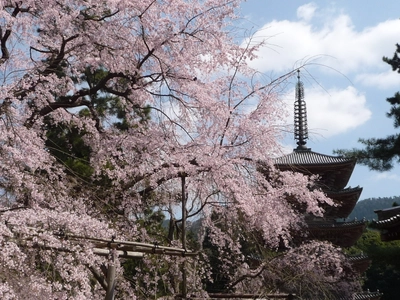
(346, 82)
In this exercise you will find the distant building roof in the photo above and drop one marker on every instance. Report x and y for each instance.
(388, 223)
(387, 213)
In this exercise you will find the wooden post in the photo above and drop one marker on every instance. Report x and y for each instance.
(184, 280)
(110, 293)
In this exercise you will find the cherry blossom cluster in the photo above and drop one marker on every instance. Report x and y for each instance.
(173, 74)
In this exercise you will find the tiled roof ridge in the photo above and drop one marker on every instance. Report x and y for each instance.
(366, 295)
(308, 157)
(389, 221)
(345, 190)
(357, 257)
(337, 225)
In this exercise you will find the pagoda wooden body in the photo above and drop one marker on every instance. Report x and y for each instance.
(334, 173)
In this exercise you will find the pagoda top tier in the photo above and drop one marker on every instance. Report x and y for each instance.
(335, 171)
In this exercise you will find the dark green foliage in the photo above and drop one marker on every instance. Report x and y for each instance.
(70, 144)
(384, 272)
(381, 153)
(395, 61)
(107, 104)
(219, 280)
(152, 221)
(66, 144)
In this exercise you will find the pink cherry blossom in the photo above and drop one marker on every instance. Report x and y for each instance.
(212, 121)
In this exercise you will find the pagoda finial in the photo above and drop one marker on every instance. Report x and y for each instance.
(300, 116)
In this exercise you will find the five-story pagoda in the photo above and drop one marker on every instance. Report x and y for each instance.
(334, 174)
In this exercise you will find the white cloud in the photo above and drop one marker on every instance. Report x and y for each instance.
(387, 176)
(334, 111)
(306, 12)
(335, 41)
(334, 50)
(381, 80)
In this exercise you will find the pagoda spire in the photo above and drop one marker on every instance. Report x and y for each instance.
(300, 116)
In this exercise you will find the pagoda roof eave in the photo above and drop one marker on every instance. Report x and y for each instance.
(309, 162)
(345, 199)
(360, 262)
(336, 226)
(345, 192)
(365, 296)
(311, 158)
(341, 234)
(357, 258)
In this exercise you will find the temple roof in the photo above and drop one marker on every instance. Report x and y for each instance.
(360, 262)
(341, 234)
(365, 296)
(344, 193)
(387, 213)
(345, 199)
(308, 157)
(358, 257)
(388, 223)
(335, 171)
(338, 225)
